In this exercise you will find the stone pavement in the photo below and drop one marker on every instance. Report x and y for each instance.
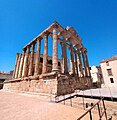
(19, 106)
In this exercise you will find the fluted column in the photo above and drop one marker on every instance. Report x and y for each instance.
(87, 63)
(14, 72)
(45, 56)
(30, 73)
(18, 65)
(72, 60)
(21, 64)
(80, 63)
(76, 65)
(64, 58)
(37, 62)
(83, 57)
(55, 51)
(26, 62)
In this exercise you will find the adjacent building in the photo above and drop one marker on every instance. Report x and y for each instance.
(96, 75)
(109, 71)
(5, 76)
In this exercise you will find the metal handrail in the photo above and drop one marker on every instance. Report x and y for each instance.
(100, 114)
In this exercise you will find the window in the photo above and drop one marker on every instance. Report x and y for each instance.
(107, 63)
(109, 72)
(111, 80)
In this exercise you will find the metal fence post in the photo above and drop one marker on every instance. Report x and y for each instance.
(99, 111)
(104, 109)
(90, 115)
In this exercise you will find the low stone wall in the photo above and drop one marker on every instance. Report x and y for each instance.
(69, 85)
(5, 76)
(48, 84)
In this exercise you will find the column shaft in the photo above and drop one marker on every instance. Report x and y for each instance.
(18, 65)
(45, 56)
(14, 72)
(72, 60)
(80, 63)
(37, 62)
(21, 65)
(76, 65)
(26, 62)
(85, 69)
(19, 74)
(88, 68)
(64, 58)
(30, 73)
(55, 51)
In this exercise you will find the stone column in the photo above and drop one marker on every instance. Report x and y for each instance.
(76, 65)
(26, 63)
(64, 58)
(21, 64)
(37, 62)
(30, 73)
(83, 57)
(87, 63)
(72, 60)
(18, 65)
(14, 72)
(80, 63)
(45, 56)
(55, 51)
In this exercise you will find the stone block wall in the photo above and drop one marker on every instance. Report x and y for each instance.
(69, 85)
(49, 85)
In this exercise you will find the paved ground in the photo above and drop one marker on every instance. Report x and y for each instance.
(23, 106)
(15, 106)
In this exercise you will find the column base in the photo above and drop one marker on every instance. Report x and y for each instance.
(53, 70)
(36, 74)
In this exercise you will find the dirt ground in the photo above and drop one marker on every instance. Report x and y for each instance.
(23, 106)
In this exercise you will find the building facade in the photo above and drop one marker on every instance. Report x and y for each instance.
(109, 70)
(96, 74)
(3, 77)
(41, 73)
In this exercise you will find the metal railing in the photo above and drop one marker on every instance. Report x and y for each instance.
(101, 112)
(101, 109)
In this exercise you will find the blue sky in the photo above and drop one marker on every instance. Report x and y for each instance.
(22, 20)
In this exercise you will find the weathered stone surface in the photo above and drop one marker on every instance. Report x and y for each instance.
(21, 65)
(31, 61)
(44, 68)
(64, 58)
(55, 51)
(17, 65)
(37, 57)
(26, 62)
(14, 72)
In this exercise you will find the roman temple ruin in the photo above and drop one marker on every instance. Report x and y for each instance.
(38, 72)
